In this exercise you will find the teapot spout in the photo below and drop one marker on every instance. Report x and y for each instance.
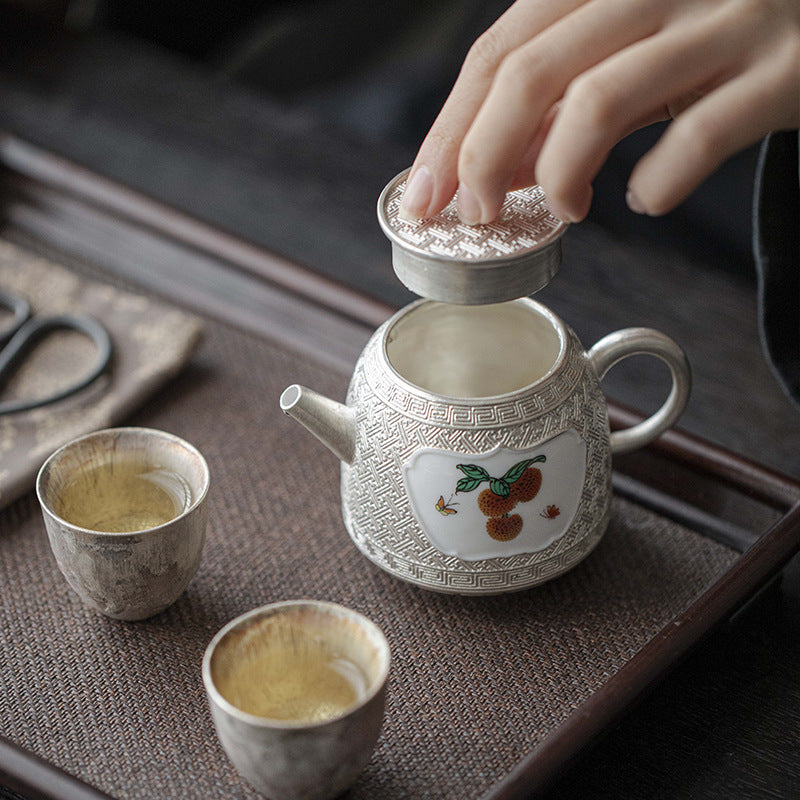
(334, 424)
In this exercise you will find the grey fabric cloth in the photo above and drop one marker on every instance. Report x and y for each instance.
(152, 342)
(776, 233)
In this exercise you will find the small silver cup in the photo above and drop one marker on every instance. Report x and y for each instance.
(130, 575)
(299, 759)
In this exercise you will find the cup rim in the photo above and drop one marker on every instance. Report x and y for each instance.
(533, 305)
(196, 501)
(279, 724)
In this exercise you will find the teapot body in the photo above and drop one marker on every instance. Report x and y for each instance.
(477, 494)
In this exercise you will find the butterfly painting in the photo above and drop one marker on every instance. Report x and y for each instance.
(444, 508)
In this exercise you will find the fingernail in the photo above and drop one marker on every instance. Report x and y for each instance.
(417, 196)
(557, 212)
(469, 210)
(634, 203)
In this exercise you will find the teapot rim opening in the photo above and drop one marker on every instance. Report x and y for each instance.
(531, 306)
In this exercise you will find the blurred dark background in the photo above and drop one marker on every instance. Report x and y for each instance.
(253, 87)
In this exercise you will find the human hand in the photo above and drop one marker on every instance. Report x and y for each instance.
(549, 89)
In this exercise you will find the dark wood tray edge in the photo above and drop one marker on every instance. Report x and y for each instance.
(651, 664)
(30, 168)
(36, 779)
(758, 565)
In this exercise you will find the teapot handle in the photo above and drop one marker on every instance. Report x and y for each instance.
(644, 341)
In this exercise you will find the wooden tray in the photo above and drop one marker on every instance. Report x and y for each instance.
(681, 482)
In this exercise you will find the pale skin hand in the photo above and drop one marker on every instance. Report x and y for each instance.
(549, 89)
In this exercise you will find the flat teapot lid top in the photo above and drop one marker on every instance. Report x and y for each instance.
(444, 259)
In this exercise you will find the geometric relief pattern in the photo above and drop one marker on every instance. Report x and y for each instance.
(375, 508)
(523, 224)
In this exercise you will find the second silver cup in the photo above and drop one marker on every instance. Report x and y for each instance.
(297, 691)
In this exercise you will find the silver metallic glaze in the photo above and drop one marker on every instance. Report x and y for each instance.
(443, 259)
(393, 419)
(296, 760)
(645, 341)
(129, 576)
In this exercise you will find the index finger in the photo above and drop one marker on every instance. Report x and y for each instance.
(528, 83)
(433, 178)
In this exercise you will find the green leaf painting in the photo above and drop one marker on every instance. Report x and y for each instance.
(476, 475)
(500, 487)
(516, 471)
(474, 471)
(468, 484)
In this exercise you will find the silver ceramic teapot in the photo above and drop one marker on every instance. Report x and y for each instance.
(475, 443)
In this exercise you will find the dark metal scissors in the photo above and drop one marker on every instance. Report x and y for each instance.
(17, 338)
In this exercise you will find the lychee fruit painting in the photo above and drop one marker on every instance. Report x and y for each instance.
(493, 505)
(520, 484)
(527, 486)
(504, 529)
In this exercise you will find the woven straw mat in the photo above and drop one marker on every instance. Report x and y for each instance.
(475, 682)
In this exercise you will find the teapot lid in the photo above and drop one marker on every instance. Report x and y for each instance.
(444, 259)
